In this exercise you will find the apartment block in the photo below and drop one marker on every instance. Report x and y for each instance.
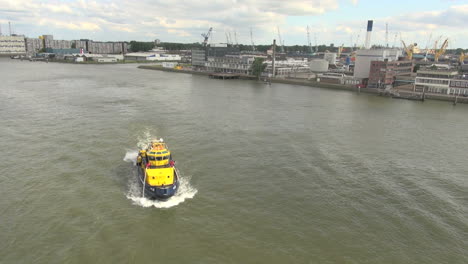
(12, 45)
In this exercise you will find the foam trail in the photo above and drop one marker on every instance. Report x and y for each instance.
(131, 156)
(185, 191)
(144, 140)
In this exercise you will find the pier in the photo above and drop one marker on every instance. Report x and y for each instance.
(223, 76)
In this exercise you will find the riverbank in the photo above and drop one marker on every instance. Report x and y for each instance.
(273, 80)
(304, 82)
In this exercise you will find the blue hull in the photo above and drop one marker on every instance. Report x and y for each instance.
(161, 193)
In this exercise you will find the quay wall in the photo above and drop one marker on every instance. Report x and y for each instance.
(439, 97)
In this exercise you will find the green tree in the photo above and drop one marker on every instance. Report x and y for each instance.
(258, 66)
(73, 45)
(136, 46)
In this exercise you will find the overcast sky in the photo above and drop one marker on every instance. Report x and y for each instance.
(330, 21)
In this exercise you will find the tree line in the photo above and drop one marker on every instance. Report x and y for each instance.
(136, 46)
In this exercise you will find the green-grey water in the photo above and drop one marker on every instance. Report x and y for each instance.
(271, 174)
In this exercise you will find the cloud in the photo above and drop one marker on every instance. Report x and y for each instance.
(85, 26)
(185, 21)
(60, 8)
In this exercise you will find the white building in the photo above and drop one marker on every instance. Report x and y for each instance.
(434, 81)
(171, 65)
(239, 64)
(289, 67)
(152, 56)
(318, 65)
(330, 57)
(12, 45)
(364, 57)
(459, 85)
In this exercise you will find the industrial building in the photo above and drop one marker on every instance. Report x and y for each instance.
(382, 74)
(12, 45)
(330, 57)
(364, 58)
(318, 65)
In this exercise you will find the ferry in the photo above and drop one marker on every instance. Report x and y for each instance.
(157, 171)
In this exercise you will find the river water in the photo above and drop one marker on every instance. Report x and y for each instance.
(270, 174)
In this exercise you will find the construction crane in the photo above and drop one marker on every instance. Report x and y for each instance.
(340, 49)
(235, 37)
(462, 57)
(206, 37)
(315, 40)
(408, 50)
(308, 40)
(440, 51)
(251, 40)
(230, 38)
(357, 40)
(280, 41)
(227, 38)
(386, 35)
(394, 40)
(427, 47)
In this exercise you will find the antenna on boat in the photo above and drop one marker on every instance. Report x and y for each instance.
(144, 183)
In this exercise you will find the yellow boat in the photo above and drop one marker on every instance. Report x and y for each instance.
(157, 171)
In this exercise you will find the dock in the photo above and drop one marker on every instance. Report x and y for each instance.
(224, 76)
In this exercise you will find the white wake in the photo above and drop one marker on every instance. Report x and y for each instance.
(185, 190)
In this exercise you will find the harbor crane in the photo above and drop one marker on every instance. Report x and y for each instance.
(427, 47)
(315, 40)
(235, 38)
(441, 50)
(230, 38)
(227, 38)
(308, 40)
(394, 40)
(206, 37)
(279, 38)
(386, 35)
(251, 40)
(462, 57)
(357, 40)
(340, 49)
(409, 50)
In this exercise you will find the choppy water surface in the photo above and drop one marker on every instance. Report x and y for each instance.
(271, 174)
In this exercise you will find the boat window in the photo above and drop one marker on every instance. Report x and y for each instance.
(158, 158)
(164, 152)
